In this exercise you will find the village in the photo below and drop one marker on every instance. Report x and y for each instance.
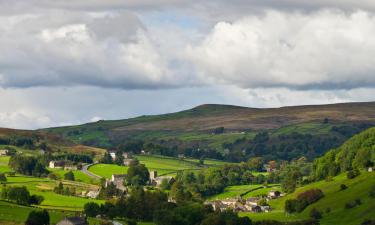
(251, 204)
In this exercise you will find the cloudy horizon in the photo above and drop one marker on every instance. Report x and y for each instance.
(65, 63)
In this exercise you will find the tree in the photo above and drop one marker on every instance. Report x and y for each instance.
(91, 209)
(69, 176)
(107, 159)
(138, 175)
(255, 163)
(36, 199)
(119, 159)
(20, 195)
(3, 178)
(38, 218)
(315, 214)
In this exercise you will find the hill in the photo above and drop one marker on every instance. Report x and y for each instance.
(356, 153)
(292, 131)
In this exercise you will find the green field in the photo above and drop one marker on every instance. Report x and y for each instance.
(334, 199)
(17, 213)
(162, 164)
(246, 191)
(78, 175)
(106, 170)
(4, 164)
(44, 187)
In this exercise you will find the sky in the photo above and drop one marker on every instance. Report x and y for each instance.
(71, 62)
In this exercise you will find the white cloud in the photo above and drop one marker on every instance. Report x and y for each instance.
(323, 50)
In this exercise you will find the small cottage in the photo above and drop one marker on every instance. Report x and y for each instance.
(56, 164)
(73, 221)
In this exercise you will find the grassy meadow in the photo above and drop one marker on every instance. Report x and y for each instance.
(334, 199)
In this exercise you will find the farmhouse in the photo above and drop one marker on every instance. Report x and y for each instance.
(3, 152)
(112, 154)
(92, 194)
(56, 164)
(274, 194)
(239, 205)
(181, 156)
(118, 181)
(128, 162)
(127, 155)
(73, 221)
(156, 181)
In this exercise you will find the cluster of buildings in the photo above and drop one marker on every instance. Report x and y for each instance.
(128, 157)
(118, 180)
(60, 164)
(3, 152)
(252, 204)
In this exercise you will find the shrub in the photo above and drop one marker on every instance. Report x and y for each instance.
(36, 199)
(328, 210)
(69, 176)
(352, 173)
(303, 200)
(315, 214)
(343, 187)
(368, 222)
(91, 209)
(372, 192)
(3, 178)
(353, 204)
(38, 218)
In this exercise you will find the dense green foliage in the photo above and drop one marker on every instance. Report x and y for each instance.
(137, 174)
(28, 165)
(20, 195)
(303, 200)
(357, 153)
(38, 218)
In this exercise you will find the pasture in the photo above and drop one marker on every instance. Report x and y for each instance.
(334, 199)
(106, 170)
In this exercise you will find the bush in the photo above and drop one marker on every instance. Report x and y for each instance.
(343, 187)
(38, 218)
(36, 199)
(368, 222)
(91, 209)
(352, 173)
(328, 210)
(303, 200)
(3, 178)
(372, 192)
(315, 214)
(69, 176)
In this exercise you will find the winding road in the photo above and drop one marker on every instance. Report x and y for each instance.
(88, 173)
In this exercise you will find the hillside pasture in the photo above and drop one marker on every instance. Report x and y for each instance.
(44, 187)
(106, 170)
(334, 199)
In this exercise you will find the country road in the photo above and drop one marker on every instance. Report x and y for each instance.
(86, 171)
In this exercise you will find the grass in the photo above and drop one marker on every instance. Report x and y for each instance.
(235, 191)
(15, 214)
(162, 164)
(106, 170)
(4, 164)
(78, 175)
(166, 165)
(334, 199)
(44, 187)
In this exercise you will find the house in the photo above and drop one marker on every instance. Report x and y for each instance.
(181, 156)
(370, 169)
(127, 155)
(70, 167)
(274, 194)
(158, 180)
(118, 181)
(93, 194)
(252, 201)
(256, 209)
(153, 175)
(73, 221)
(56, 164)
(3, 152)
(112, 154)
(127, 162)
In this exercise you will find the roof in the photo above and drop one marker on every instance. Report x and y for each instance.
(76, 220)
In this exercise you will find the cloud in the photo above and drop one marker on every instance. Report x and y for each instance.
(110, 50)
(328, 49)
